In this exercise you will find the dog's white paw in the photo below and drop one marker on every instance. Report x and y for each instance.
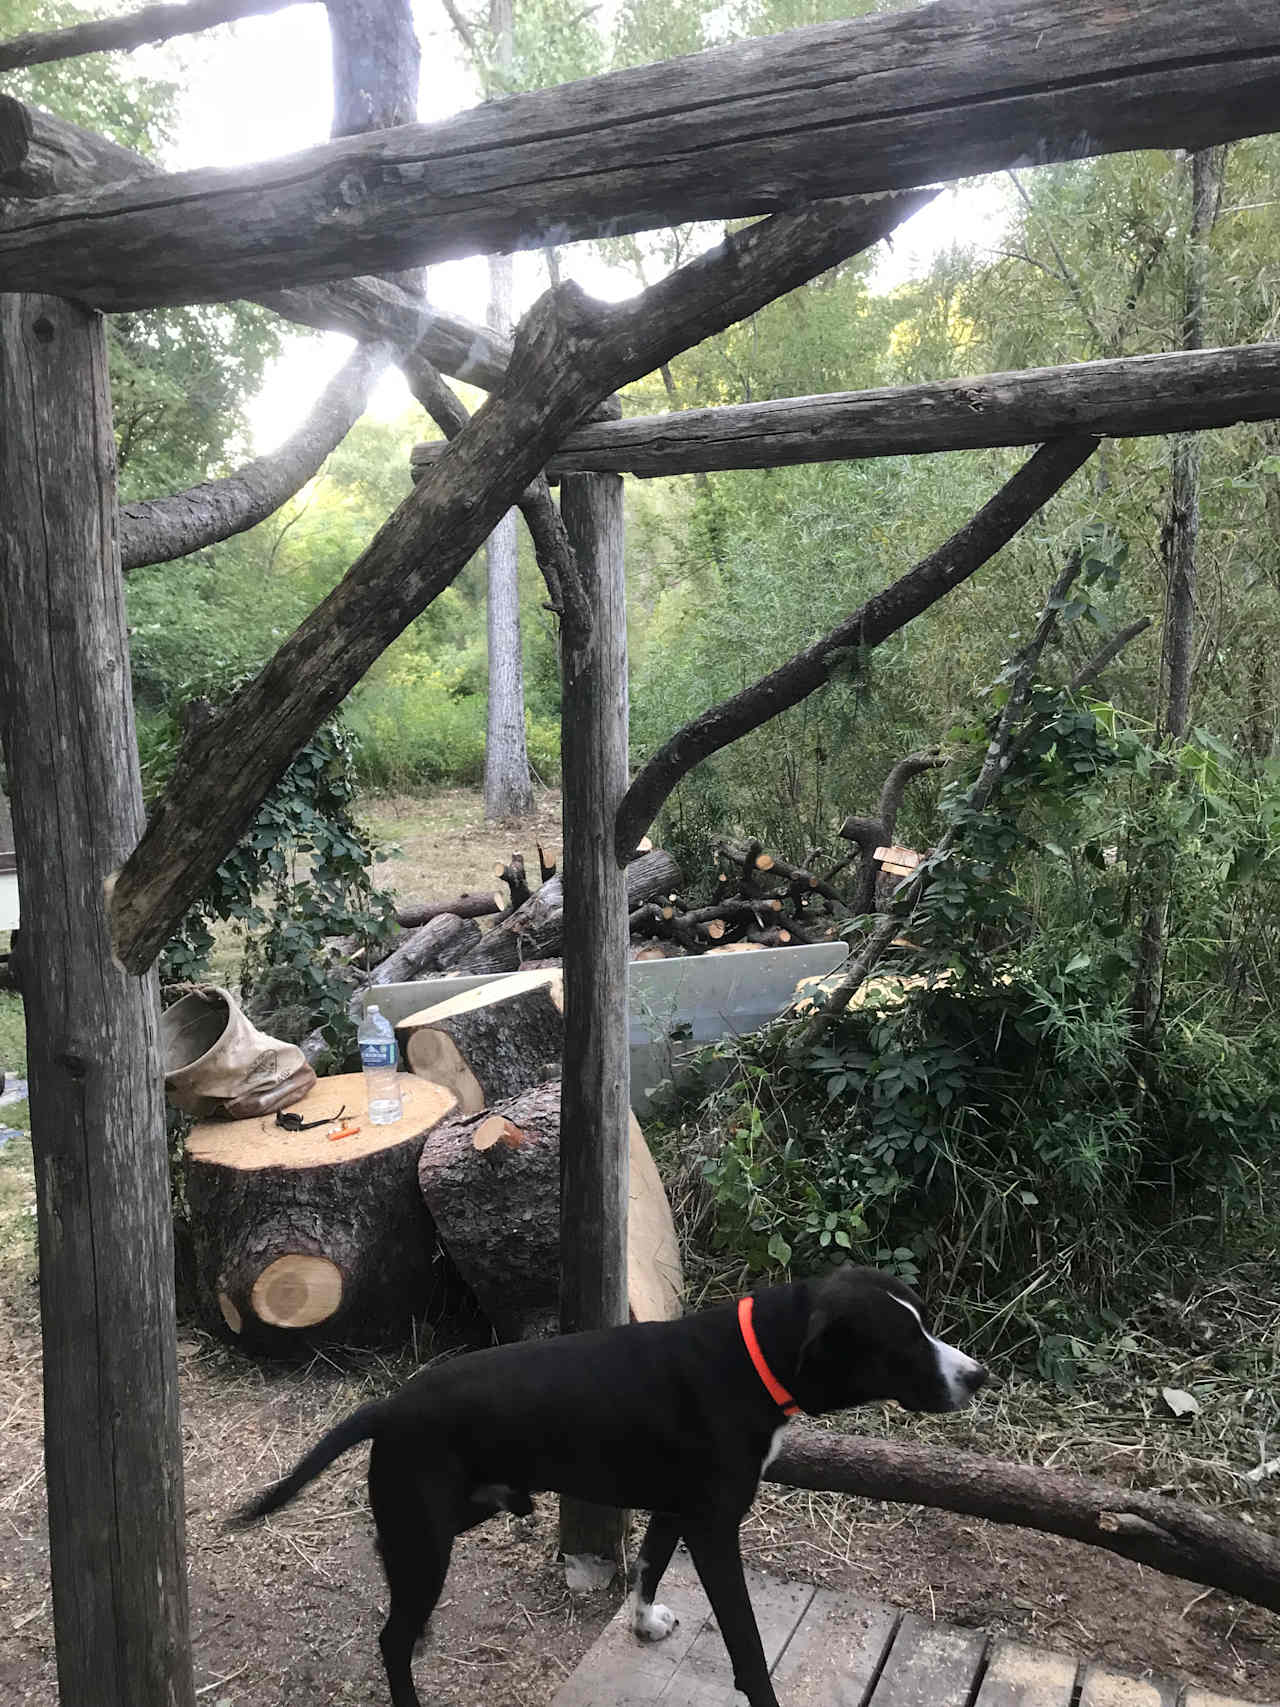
(653, 1623)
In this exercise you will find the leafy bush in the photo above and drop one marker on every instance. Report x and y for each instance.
(995, 1115)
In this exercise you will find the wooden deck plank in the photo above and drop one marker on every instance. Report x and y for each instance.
(930, 1665)
(1103, 1686)
(835, 1655)
(1019, 1676)
(705, 1678)
(690, 1668)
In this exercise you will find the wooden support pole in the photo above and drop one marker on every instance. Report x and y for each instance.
(596, 1097)
(113, 1451)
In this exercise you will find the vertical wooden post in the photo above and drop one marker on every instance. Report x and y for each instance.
(596, 1093)
(113, 1450)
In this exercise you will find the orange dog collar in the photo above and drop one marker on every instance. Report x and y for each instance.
(776, 1391)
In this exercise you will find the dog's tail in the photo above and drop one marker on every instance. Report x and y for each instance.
(360, 1425)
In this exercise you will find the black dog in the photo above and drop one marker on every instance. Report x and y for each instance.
(677, 1418)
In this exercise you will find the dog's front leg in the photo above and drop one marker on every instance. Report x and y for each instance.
(716, 1553)
(652, 1623)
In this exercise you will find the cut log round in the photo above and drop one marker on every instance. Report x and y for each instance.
(492, 1184)
(299, 1236)
(492, 1042)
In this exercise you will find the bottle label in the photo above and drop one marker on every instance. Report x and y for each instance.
(378, 1054)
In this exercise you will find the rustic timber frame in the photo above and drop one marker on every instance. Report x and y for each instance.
(867, 112)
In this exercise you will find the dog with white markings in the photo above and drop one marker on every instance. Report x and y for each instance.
(676, 1418)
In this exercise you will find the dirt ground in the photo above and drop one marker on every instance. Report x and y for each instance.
(288, 1613)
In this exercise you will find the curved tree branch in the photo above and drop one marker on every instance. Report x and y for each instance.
(133, 29)
(881, 616)
(159, 529)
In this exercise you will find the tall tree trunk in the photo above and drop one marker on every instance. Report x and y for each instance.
(507, 790)
(1178, 543)
(113, 1451)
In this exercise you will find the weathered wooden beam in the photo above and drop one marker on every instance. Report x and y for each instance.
(133, 29)
(884, 102)
(882, 615)
(156, 530)
(113, 1448)
(570, 353)
(1132, 397)
(595, 1099)
(42, 155)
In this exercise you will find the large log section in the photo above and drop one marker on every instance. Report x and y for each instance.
(1128, 398)
(881, 103)
(570, 353)
(113, 1450)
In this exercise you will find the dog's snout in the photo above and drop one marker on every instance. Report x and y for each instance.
(974, 1377)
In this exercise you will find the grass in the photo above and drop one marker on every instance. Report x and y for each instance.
(13, 1036)
(439, 847)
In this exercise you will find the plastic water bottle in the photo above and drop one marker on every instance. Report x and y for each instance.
(381, 1060)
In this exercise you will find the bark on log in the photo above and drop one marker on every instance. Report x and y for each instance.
(571, 352)
(492, 1043)
(882, 615)
(1131, 397)
(113, 1448)
(1171, 1535)
(941, 91)
(299, 1237)
(41, 155)
(134, 29)
(156, 530)
(536, 931)
(492, 1185)
(415, 913)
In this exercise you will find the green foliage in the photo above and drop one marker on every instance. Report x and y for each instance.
(996, 1115)
(300, 878)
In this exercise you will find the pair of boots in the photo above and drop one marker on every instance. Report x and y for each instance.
(216, 1060)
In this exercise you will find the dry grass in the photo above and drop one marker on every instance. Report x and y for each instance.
(441, 847)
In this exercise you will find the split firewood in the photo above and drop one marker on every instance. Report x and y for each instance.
(299, 1236)
(491, 1181)
(803, 885)
(516, 879)
(492, 1042)
(536, 930)
(473, 906)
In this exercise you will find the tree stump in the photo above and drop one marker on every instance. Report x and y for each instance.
(492, 1042)
(300, 1237)
(491, 1181)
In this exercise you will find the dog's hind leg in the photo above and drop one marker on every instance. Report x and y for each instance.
(651, 1623)
(413, 1509)
(716, 1553)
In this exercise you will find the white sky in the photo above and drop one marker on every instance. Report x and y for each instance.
(278, 67)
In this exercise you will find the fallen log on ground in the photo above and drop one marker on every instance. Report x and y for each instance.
(415, 913)
(491, 1181)
(487, 1044)
(536, 930)
(1172, 1535)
